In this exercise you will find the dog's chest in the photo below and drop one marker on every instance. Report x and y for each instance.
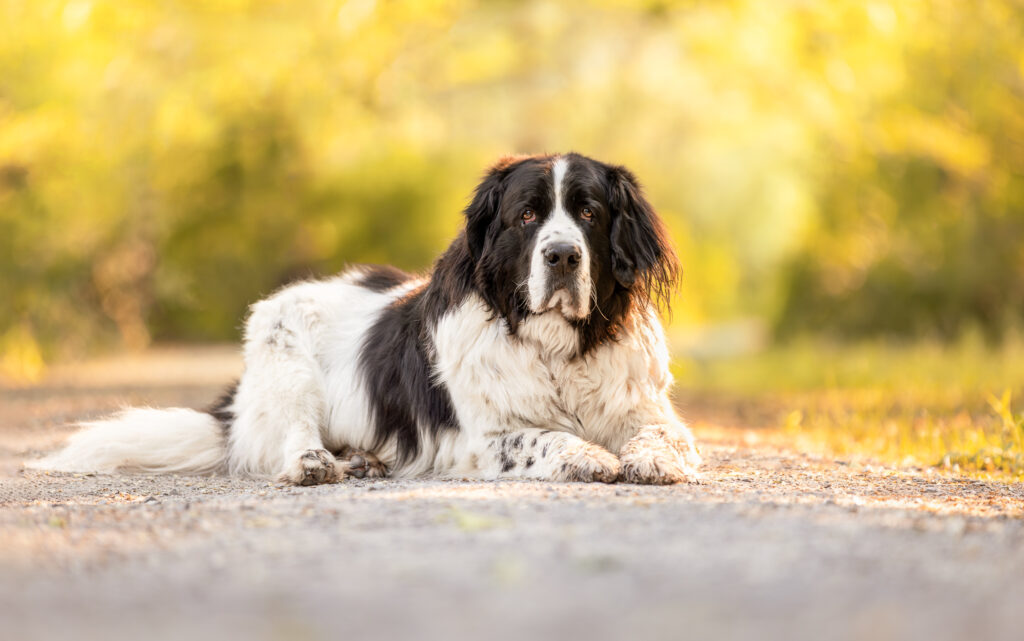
(497, 381)
(602, 394)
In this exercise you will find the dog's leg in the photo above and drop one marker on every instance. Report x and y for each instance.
(532, 453)
(280, 403)
(660, 455)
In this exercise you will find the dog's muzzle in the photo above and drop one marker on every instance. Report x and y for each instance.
(562, 264)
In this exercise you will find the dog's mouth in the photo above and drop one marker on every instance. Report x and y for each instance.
(566, 302)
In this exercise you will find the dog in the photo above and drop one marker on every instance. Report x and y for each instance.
(532, 350)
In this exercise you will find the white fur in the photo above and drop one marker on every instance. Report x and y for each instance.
(534, 381)
(302, 388)
(143, 440)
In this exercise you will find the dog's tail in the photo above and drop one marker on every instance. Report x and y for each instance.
(166, 441)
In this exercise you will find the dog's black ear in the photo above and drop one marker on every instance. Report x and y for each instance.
(642, 258)
(482, 213)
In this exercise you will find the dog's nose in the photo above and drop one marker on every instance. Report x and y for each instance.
(564, 258)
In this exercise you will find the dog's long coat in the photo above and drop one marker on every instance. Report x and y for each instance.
(532, 350)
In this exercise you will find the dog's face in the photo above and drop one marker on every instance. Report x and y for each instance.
(543, 231)
(566, 235)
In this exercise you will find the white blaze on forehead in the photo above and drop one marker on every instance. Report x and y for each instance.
(558, 169)
(559, 227)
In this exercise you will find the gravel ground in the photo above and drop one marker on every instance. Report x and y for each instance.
(774, 544)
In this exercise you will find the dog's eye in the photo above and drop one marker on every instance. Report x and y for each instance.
(529, 216)
(587, 214)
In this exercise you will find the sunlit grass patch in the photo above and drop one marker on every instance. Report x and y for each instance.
(955, 439)
(924, 404)
(995, 449)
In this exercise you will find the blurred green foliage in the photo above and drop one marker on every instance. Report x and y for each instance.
(919, 226)
(847, 167)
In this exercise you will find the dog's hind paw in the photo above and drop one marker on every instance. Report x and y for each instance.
(360, 464)
(312, 467)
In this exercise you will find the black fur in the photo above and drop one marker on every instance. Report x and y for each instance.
(381, 278)
(219, 409)
(400, 383)
(642, 258)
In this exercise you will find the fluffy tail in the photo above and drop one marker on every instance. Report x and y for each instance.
(143, 440)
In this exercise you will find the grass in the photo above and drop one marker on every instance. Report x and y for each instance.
(925, 403)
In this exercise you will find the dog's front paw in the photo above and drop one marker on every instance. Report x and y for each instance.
(660, 456)
(588, 463)
(312, 467)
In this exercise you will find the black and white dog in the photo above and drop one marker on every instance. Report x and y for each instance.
(533, 350)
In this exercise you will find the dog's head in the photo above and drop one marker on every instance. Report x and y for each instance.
(567, 235)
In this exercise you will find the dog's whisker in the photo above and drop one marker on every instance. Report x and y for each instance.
(593, 296)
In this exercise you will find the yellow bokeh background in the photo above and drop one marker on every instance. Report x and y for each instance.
(849, 168)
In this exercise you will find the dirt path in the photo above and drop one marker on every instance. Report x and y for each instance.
(774, 544)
